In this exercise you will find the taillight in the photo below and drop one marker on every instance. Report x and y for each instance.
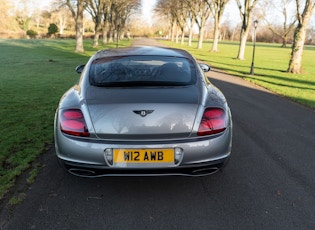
(72, 122)
(213, 121)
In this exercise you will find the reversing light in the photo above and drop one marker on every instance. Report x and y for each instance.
(108, 154)
(72, 122)
(178, 155)
(213, 121)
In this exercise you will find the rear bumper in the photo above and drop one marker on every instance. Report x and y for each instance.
(201, 156)
(93, 171)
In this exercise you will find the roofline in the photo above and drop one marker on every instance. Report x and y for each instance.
(143, 51)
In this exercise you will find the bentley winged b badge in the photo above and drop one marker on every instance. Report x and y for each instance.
(143, 113)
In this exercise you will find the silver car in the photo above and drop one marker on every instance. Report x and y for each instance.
(143, 111)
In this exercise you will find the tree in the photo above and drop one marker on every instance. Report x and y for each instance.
(165, 8)
(182, 14)
(178, 13)
(191, 24)
(5, 16)
(95, 9)
(106, 19)
(52, 29)
(303, 17)
(246, 11)
(119, 14)
(201, 11)
(77, 8)
(286, 29)
(217, 8)
(31, 33)
(113, 16)
(63, 17)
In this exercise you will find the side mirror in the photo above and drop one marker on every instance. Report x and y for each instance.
(204, 67)
(79, 68)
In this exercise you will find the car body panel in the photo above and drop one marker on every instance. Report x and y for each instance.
(143, 117)
(171, 112)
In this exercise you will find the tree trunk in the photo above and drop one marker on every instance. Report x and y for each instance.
(200, 39)
(232, 36)
(172, 32)
(246, 12)
(104, 33)
(79, 27)
(190, 36)
(111, 33)
(79, 33)
(96, 35)
(284, 41)
(241, 51)
(215, 38)
(297, 51)
(177, 34)
(111, 36)
(182, 38)
(295, 64)
(98, 26)
(95, 39)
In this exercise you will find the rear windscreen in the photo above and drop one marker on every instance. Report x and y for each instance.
(142, 71)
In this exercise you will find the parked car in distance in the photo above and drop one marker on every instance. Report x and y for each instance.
(143, 111)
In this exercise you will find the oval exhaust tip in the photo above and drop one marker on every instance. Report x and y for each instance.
(82, 172)
(205, 171)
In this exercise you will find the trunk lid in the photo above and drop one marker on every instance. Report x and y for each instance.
(143, 113)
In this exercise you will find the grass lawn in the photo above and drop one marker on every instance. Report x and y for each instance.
(271, 63)
(33, 76)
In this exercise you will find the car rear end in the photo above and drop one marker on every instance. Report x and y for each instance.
(132, 123)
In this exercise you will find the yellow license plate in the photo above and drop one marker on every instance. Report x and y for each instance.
(143, 155)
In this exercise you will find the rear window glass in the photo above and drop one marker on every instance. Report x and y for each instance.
(142, 71)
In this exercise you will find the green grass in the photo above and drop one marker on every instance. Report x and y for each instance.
(33, 76)
(271, 63)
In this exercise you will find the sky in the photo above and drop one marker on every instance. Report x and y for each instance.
(31, 4)
(147, 8)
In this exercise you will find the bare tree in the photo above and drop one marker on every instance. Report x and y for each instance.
(182, 16)
(63, 19)
(191, 23)
(303, 18)
(95, 9)
(179, 12)
(246, 11)
(217, 8)
(288, 22)
(61, 15)
(120, 11)
(166, 8)
(77, 8)
(9, 23)
(201, 11)
(106, 19)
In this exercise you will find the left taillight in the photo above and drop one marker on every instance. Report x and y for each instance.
(72, 122)
(214, 120)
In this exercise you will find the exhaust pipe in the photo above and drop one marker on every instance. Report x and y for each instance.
(88, 173)
(82, 172)
(205, 171)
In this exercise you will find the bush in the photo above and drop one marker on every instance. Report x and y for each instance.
(31, 33)
(52, 29)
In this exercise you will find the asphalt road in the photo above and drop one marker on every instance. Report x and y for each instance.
(269, 182)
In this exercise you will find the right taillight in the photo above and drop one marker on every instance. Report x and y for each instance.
(72, 122)
(214, 120)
